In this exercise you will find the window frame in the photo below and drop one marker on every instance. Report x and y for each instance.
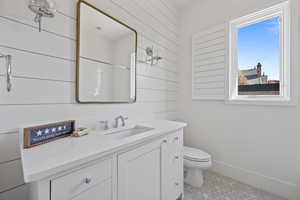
(281, 10)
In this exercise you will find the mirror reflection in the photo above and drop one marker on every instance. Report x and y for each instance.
(106, 58)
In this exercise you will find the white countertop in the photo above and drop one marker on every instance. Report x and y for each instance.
(49, 159)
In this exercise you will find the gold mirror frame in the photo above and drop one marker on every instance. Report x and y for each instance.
(133, 100)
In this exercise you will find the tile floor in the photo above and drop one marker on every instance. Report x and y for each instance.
(218, 187)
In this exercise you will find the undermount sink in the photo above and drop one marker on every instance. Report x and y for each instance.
(129, 131)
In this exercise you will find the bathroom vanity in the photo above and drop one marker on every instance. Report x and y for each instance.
(144, 161)
(139, 162)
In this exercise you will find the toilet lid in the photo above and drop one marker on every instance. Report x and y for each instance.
(196, 155)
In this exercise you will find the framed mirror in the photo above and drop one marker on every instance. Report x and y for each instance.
(106, 57)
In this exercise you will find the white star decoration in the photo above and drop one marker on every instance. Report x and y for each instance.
(39, 133)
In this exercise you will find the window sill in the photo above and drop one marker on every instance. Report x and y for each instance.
(280, 101)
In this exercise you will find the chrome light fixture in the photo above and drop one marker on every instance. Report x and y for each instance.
(150, 58)
(42, 8)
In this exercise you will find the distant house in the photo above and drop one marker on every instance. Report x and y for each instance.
(254, 82)
(252, 76)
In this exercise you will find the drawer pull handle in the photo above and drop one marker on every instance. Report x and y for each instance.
(165, 141)
(176, 138)
(176, 157)
(176, 183)
(87, 180)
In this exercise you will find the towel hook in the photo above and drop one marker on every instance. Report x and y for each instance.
(8, 59)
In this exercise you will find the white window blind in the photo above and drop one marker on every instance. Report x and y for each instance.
(208, 63)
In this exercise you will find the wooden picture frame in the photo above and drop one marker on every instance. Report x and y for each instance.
(37, 135)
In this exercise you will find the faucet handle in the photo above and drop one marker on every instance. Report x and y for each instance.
(105, 122)
(123, 121)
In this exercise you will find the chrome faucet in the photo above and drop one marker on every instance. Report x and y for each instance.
(122, 120)
(105, 123)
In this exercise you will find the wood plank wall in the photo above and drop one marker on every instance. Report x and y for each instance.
(209, 61)
(44, 73)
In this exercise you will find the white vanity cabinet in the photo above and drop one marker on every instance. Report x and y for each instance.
(172, 167)
(153, 171)
(145, 167)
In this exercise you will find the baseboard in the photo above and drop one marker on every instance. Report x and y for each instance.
(269, 184)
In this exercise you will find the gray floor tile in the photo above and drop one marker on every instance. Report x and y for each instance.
(218, 187)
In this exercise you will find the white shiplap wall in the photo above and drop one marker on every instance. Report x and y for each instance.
(44, 73)
(208, 60)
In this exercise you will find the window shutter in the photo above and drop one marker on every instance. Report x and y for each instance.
(208, 64)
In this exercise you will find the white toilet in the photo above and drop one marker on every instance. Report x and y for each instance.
(195, 161)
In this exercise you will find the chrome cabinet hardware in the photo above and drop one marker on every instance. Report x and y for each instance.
(8, 59)
(165, 141)
(176, 157)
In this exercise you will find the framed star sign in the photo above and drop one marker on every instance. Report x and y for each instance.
(42, 134)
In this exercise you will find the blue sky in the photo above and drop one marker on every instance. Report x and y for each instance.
(260, 43)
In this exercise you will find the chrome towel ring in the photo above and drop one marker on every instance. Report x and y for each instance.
(8, 59)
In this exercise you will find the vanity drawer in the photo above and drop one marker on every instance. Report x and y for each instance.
(101, 191)
(77, 182)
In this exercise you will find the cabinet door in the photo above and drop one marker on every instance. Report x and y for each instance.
(177, 148)
(172, 166)
(139, 173)
(167, 170)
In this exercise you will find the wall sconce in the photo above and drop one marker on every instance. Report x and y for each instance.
(8, 59)
(150, 58)
(42, 8)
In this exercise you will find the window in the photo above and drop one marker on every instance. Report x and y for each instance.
(260, 56)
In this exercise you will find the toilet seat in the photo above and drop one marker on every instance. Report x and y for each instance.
(196, 155)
